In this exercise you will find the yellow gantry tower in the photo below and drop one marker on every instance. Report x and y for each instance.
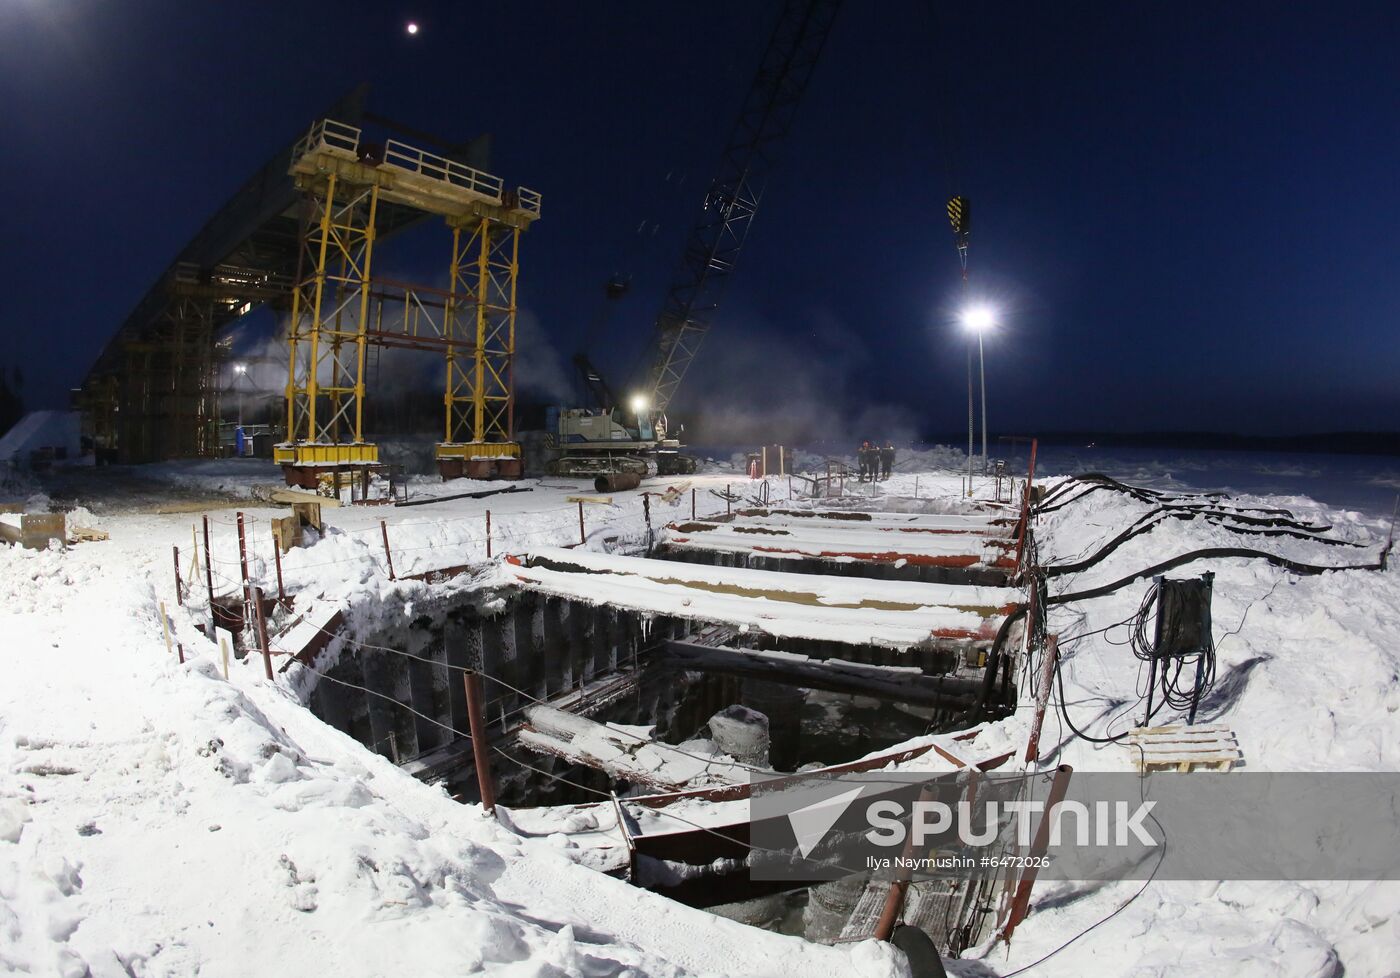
(479, 392)
(338, 307)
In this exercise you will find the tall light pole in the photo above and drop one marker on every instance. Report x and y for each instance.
(969, 415)
(978, 319)
(239, 369)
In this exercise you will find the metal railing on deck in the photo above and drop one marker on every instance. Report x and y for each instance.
(405, 157)
(328, 134)
(528, 200)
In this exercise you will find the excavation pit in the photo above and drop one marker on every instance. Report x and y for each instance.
(400, 689)
(603, 676)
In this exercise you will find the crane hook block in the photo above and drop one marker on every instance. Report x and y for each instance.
(959, 215)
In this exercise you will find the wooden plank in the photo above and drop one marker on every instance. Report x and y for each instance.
(286, 532)
(1206, 738)
(281, 495)
(1183, 727)
(1196, 752)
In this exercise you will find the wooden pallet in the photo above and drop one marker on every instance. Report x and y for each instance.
(1178, 747)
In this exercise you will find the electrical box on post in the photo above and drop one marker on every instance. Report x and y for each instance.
(1182, 643)
(1183, 617)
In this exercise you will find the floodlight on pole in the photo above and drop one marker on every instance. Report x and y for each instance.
(979, 319)
(239, 370)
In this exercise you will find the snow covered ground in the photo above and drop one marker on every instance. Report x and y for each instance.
(156, 819)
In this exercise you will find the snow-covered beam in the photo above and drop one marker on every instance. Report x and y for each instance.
(890, 614)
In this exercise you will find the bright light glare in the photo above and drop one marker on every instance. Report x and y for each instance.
(240, 368)
(411, 27)
(979, 318)
(639, 403)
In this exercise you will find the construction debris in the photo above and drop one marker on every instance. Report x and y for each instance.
(33, 531)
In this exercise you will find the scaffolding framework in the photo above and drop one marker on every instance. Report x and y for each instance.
(329, 323)
(154, 390)
(338, 306)
(479, 393)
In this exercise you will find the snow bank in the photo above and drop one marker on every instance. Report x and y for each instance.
(156, 819)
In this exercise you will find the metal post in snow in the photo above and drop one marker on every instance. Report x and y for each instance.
(728, 502)
(179, 591)
(916, 487)
(472, 680)
(257, 596)
(488, 534)
(242, 551)
(582, 537)
(388, 557)
(209, 576)
(899, 886)
(243, 565)
(277, 556)
(1020, 903)
(692, 503)
(1042, 695)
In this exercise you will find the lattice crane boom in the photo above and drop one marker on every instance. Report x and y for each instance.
(713, 245)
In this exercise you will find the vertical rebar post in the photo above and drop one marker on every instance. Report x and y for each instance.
(257, 596)
(472, 680)
(1020, 903)
(209, 576)
(388, 556)
(277, 556)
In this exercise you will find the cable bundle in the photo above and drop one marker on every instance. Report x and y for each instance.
(1182, 649)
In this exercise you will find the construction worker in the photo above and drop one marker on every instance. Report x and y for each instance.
(887, 460)
(863, 455)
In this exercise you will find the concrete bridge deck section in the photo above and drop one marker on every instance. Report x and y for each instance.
(981, 524)
(895, 615)
(829, 539)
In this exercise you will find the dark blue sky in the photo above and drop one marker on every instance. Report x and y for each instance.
(1187, 212)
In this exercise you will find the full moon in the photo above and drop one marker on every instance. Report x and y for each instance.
(411, 27)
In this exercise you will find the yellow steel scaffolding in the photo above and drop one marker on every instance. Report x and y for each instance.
(346, 186)
(478, 396)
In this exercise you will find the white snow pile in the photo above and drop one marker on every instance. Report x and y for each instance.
(1309, 680)
(157, 820)
(56, 432)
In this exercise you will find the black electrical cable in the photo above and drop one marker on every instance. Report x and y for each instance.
(1064, 710)
(1212, 553)
(1150, 521)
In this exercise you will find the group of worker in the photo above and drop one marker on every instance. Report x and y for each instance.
(876, 463)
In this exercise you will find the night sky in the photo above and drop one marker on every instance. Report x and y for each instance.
(1185, 213)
